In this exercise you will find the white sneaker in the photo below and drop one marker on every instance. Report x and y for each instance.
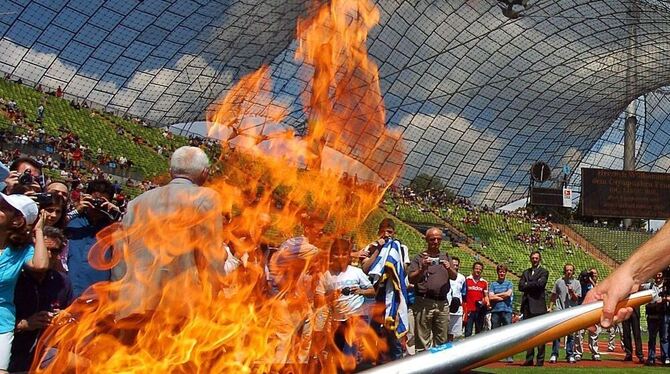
(552, 359)
(578, 358)
(596, 357)
(571, 360)
(667, 361)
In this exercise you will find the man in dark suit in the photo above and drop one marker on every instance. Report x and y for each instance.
(533, 302)
(631, 331)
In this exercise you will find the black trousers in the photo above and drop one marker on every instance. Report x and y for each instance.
(540, 348)
(632, 325)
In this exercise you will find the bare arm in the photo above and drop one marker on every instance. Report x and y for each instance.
(494, 297)
(504, 295)
(40, 260)
(573, 295)
(453, 274)
(368, 292)
(367, 263)
(415, 276)
(650, 258)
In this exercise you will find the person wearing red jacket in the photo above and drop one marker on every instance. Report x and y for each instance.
(476, 300)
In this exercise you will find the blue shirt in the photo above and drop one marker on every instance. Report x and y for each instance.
(11, 262)
(81, 238)
(586, 287)
(498, 287)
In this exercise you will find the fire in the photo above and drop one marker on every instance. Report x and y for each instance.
(272, 185)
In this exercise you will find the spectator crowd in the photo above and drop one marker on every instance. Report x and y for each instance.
(49, 229)
(69, 150)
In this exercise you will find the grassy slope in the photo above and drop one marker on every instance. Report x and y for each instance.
(94, 130)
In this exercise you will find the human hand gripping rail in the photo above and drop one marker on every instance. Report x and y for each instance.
(494, 345)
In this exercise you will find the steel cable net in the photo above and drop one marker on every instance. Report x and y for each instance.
(480, 89)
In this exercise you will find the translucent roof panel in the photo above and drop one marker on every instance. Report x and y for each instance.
(138, 49)
(480, 90)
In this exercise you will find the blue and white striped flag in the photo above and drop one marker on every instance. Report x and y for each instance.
(388, 271)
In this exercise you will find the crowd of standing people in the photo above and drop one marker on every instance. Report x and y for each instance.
(413, 303)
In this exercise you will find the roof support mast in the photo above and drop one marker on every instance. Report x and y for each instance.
(631, 120)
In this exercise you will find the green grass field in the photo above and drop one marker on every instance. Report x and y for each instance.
(548, 369)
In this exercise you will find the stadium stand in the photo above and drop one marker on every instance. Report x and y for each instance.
(509, 238)
(617, 244)
(499, 237)
(89, 126)
(99, 133)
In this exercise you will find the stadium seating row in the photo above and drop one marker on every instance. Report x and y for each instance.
(95, 130)
(496, 238)
(617, 244)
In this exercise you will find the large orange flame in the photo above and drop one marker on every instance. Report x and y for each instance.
(271, 185)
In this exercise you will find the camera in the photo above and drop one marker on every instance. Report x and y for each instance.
(44, 199)
(26, 178)
(346, 291)
(584, 276)
(97, 203)
(434, 261)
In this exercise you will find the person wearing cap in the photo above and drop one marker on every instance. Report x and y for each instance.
(39, 297)
(17, 214)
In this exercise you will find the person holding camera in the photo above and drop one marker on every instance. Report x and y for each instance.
(534, 301)
(565, 294)
(342, 290)
(39, 297)
(25, 177)
(430, 272)
(17, 215)
(95, 213)
(476, 300)
(61, 189)
(501, 296)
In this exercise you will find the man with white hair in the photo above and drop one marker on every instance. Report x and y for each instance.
(431, 273)
(171, 239)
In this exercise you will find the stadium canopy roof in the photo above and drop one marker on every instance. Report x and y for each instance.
(481, 89)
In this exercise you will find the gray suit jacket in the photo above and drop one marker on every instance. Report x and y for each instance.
(171, 242)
